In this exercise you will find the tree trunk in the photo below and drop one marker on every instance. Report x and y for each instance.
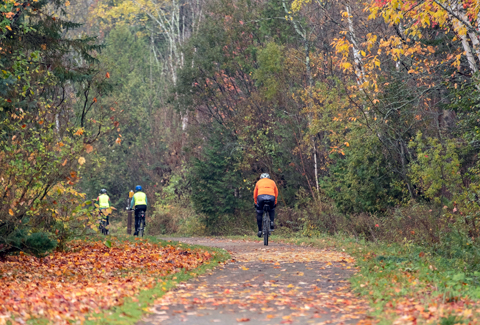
(357, 57)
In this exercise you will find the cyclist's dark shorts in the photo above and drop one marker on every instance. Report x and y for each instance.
(262, 199)
(139, 208)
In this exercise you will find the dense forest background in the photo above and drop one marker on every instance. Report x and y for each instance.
(364, 113)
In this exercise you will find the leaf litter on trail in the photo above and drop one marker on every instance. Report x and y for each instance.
(88, 277)
(270, 255)
(278, 284)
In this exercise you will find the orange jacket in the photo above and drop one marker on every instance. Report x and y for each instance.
(265, 186)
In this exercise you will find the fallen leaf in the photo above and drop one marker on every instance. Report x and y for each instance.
(88, 275)
(242, 320)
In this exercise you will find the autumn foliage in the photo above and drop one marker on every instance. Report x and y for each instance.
(87, 277)
(49, 120)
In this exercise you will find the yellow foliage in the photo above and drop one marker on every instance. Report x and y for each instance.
(346, 65)
(298, 4)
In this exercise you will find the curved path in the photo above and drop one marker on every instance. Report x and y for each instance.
(275, 284)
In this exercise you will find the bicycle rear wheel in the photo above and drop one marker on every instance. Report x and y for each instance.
(266, 228)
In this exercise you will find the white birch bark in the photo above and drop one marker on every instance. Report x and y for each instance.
(468, 53)
(316, 168)
(357, 57)
(458, 26)
(402, 34)
(57, 123)
(303, 34)
(459, 21)
(171, 22)
(460, 12)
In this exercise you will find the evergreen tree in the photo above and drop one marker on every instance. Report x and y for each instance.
(216, 181)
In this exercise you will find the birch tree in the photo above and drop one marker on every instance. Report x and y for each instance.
(170, 24)
(176, 20)
(305, 35)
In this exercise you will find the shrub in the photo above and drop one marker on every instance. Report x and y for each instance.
(38, 244)
(168, 219)
(361, 179)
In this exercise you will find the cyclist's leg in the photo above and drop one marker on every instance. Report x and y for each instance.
(142, 216)
(272, 217)
(141, 208)
(259, 220)
(136, 221)
(259, 212)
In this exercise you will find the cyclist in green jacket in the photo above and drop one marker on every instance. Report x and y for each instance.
(139, 202)
(104, 203)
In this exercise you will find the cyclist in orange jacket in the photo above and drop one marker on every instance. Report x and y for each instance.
(265, 191)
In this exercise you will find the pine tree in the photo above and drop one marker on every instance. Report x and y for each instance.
(216, 182)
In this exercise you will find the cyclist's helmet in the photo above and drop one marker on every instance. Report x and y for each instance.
(264, 175)
(138, 188)
(103, 191)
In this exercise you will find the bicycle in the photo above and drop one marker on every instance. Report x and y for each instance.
(141, 226)
(266, 223)
(103, 216)
(103, 223)
(103, 227)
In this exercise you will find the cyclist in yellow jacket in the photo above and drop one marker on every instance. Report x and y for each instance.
(139, 202)
(265, 191)
(104, 203)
